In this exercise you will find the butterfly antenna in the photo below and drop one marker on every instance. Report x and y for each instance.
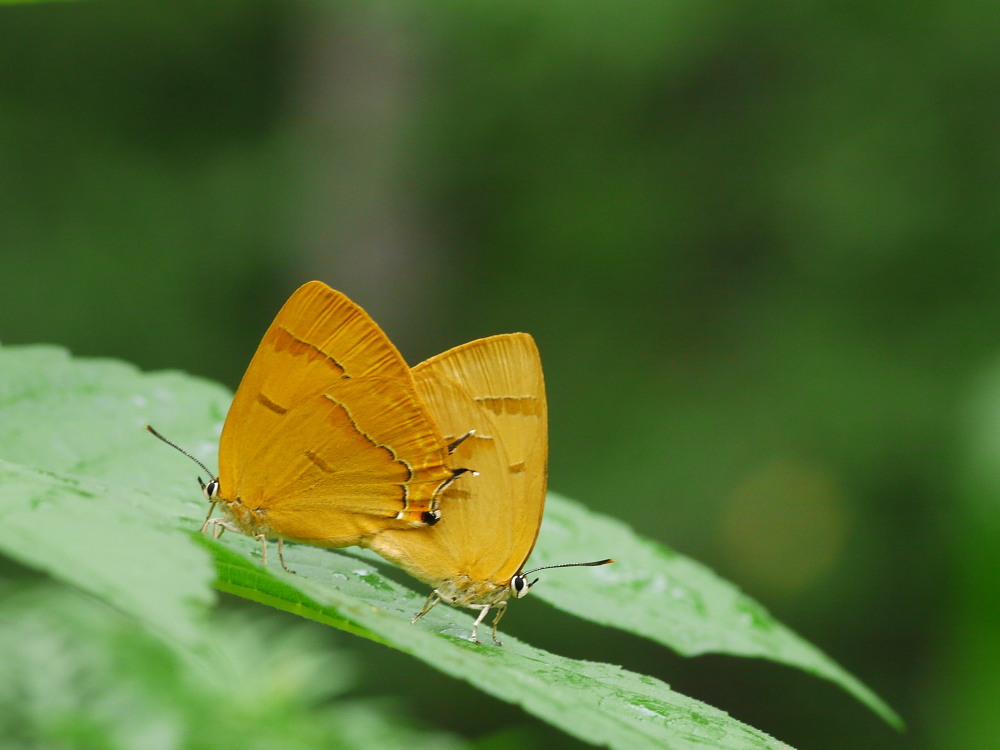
(174, 445)
(567, 565)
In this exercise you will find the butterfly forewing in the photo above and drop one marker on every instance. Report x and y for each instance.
(327, 437)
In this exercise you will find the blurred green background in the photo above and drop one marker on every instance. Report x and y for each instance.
(756, 243)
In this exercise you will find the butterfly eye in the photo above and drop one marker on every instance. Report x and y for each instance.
(211, 489)
(519, 585)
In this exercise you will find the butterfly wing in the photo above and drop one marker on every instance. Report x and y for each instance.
(490, 520)
(327, 440)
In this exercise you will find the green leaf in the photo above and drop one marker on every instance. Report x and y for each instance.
(600, 703)
(82, 420)
(655, 592)
(76, 475)
(110, 541)
(87, 417)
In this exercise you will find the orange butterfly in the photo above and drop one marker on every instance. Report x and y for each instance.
(327, 441)
(475, 557)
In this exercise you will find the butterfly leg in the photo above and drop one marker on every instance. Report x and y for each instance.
(484, 608)
(433, 599)
(263, 548)
(454, 444)
(208, 516)
(219, 525)
(501, 609)
(456, 473)
(281, 556)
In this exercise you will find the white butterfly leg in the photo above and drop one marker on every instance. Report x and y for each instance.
(484, 608)
(433, 599)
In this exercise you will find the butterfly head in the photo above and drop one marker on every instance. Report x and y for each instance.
(519, 585)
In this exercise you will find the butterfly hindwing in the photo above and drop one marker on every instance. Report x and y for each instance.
(490, 519)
